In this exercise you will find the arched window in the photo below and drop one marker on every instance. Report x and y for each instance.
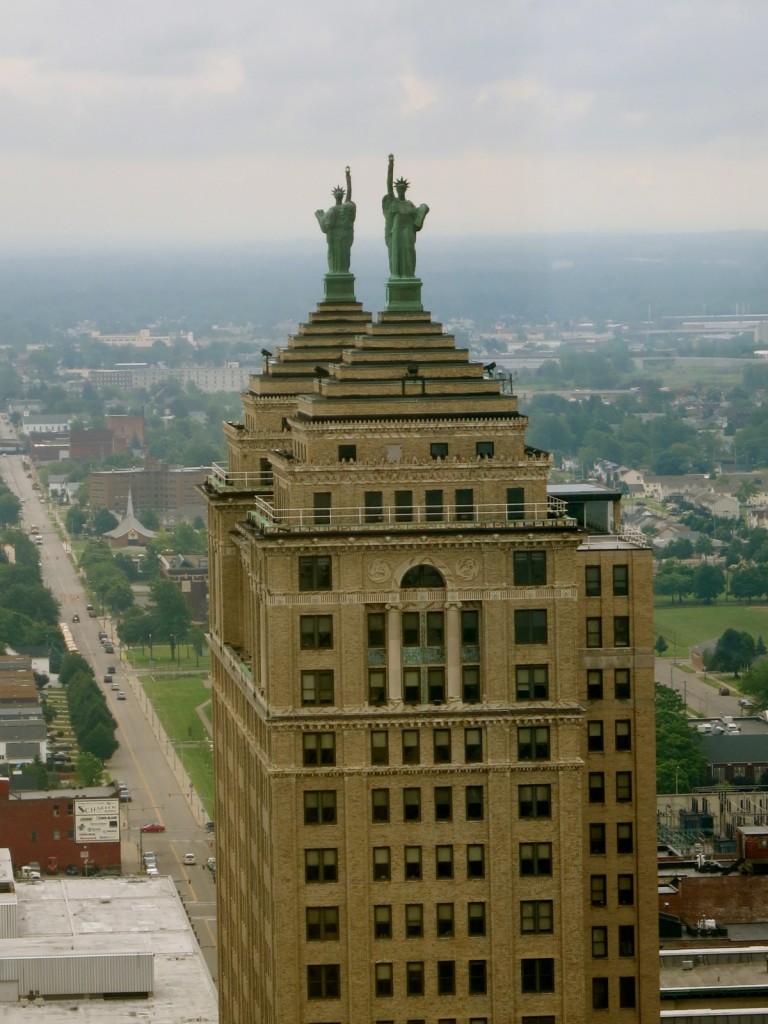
(422, 576)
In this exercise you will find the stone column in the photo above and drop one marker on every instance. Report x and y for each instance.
(453, 651)
(394, 646)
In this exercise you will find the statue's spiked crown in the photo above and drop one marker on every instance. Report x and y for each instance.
(338, 192)
(402, 183)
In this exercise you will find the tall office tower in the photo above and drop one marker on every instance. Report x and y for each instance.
(433, 700)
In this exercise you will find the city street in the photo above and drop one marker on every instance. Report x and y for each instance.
(145, 760)
(700, 696)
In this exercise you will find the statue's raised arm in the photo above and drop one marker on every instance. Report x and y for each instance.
(401, 222)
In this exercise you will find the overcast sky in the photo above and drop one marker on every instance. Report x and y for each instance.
(195, 121)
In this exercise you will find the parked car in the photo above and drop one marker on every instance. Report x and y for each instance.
(211, 863)
(744, 703)
(190, 858)
(110, 670)
(72, 869)
(121, 695)
(153, 826)
(210, 826)
(125, 796)
(75, 618)
(109, 649)
(724, 691)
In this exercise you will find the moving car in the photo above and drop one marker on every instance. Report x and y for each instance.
(121, 695)
(115, 686)
(153, 826)
(75, 618)
(190, 858)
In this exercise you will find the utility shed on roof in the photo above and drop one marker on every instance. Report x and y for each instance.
(85, 975)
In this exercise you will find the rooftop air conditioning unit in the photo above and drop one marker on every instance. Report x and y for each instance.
(687, 965)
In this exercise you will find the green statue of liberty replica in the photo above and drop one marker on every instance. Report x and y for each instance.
(402, 220)
(338, 225)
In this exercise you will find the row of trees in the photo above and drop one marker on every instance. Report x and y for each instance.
(677, 580)
(29, 613)
(108, 577)
(166, 619)
(92, 721)
(680, 761)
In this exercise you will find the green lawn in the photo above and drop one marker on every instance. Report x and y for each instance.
(684, 625)
(162, 661)
(175, 700)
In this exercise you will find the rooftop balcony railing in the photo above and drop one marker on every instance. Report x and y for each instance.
(221, 478)
(404, 517)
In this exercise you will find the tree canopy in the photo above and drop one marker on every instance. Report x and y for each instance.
(680, 761)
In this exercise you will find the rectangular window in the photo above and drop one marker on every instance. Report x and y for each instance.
(414, 921)
(470, 684)
(623, 734)
(478, 977)
(533, 743)
(470, 627)
(624, 837)
(623, 787)
(596, 788)
(323, 981)
(412, 863)
(599, 993)
(446, 977)
(435, 629)
(538, 1018)
(465, 504)
(535, 916)
(595, 736)
(626, 940)
(443, 862)
(436, 685)
(320, 807)
(374, 506)
(434, 505)
(317, 688)
(535, 859)
(621, 580)
(404, 506)
(474, 802)
(475, 860)
(412, 804)
(625, 885)
(627, 996)
(529, 568)
(383, 983)
(444, 920)
(379, 746)
(319, 749)
(594, 684)
(598, 891)
(316, 632)
(534, 801)
(382, 922)
(530, 626)
(379, 805)
(532, 682)
(414, 978)
(314, 572)
(347, 452)
(441, 741)
(377, 630)
(410, 629)
(622, 688)
(475, 919)
(322, 924)
(592, 580)
(484, 449)
(515, 503)
(438, 450)
(377, 686)
(599, 942)
(320, 866)
(537, 974)
(411, 745)
(443, 803)
(321, 505)
(382, 864)
(621, 631)
(597, 838)
(473, 746)
(411, 686)
(594, 632)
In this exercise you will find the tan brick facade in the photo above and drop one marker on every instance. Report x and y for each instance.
(433, 703)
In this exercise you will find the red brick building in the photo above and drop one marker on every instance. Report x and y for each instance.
(61, 827)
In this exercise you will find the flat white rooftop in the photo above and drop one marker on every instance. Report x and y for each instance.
(113, 915)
